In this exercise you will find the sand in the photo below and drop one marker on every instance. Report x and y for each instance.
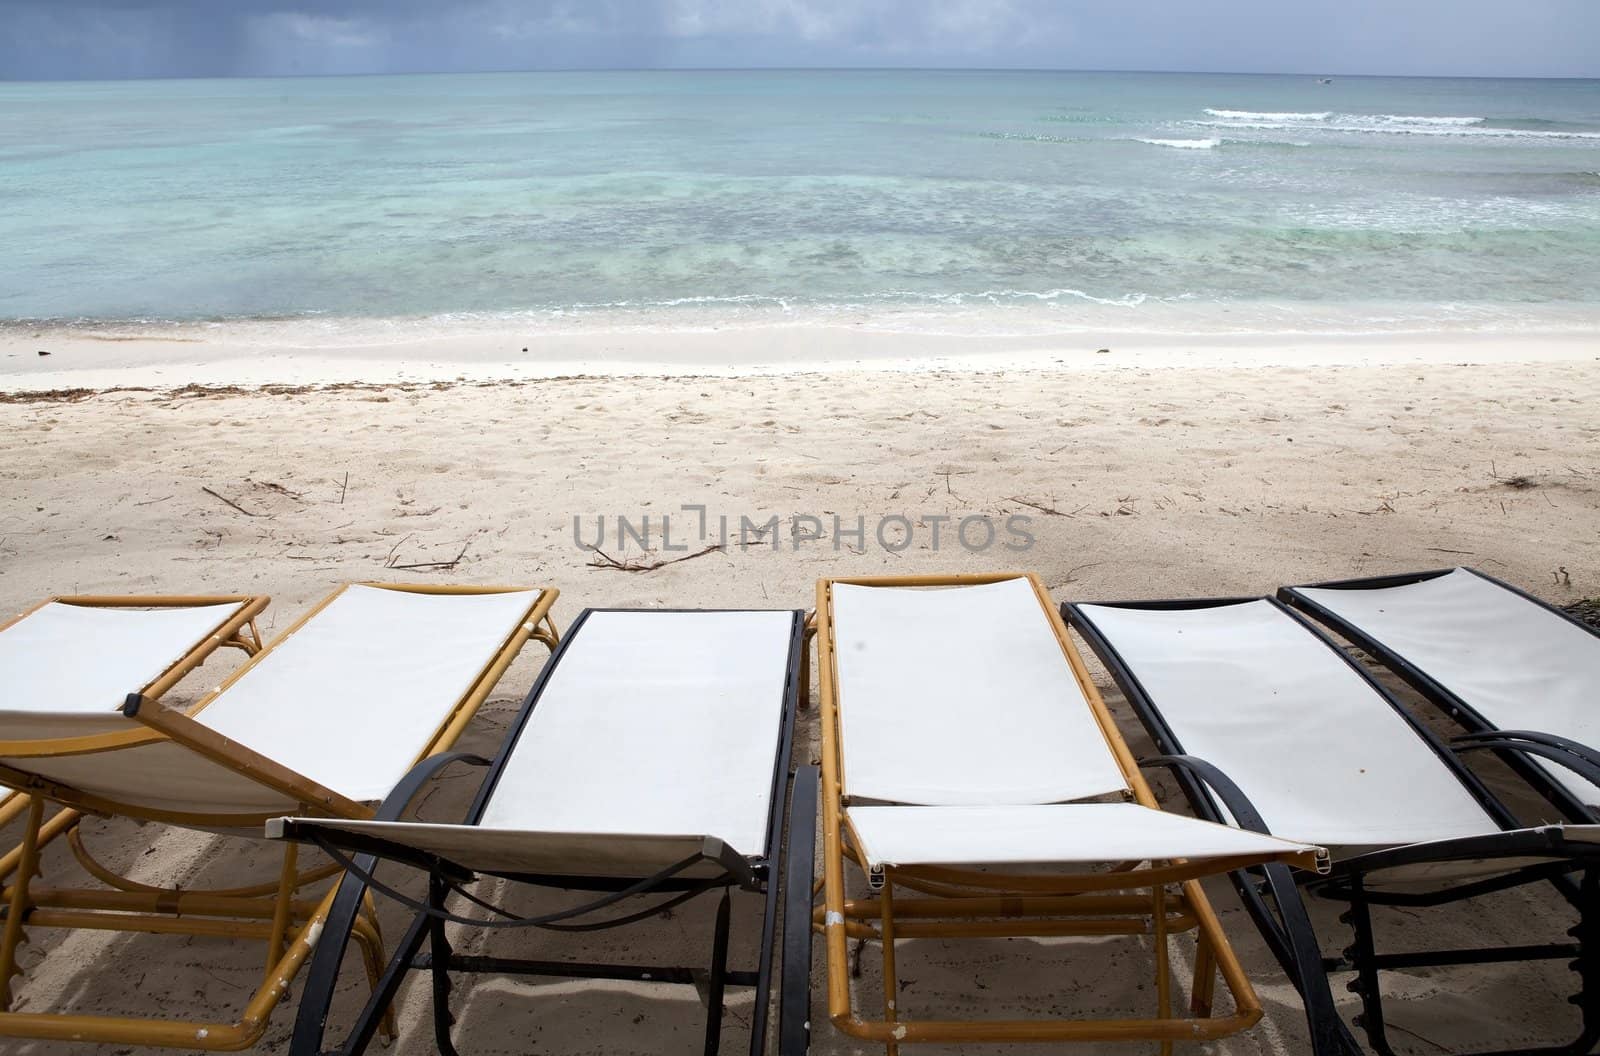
(1137, 481)
(310, 351)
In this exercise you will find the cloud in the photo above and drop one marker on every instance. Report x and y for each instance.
(870, 26)
(321, 30)
(116, 38)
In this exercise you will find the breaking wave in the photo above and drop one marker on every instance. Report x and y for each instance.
(1184, 144)
(1391, 124)
(1255, 115)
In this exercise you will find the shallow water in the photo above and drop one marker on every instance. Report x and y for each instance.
(1132, 201)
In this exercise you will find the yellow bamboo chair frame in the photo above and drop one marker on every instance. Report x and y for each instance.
(238, 631)
(1159, 900)
(269, 911)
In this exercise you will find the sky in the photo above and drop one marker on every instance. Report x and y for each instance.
(110, 39)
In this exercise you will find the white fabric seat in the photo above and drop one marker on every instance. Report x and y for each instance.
(1516, 663)
(1049, 834)
(499, 851)
(654, 731)
(1316, 749)
(67, 659)
(350, 700)
(966, 735)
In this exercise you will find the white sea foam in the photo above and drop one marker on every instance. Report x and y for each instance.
(1254, 115)
(1184, 144)
(1388, 124)
(1414, 119)
(1328, 116)
(1395, 128)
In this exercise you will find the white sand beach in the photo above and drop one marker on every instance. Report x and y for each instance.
(618, 344)
(1144, 471)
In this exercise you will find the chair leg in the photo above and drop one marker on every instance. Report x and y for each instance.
(890, 977)
(282, 904)
(764, 963)
(1205, 978)
(1158, 914)
(1361, 954)
(440, 945)
(17, 908)
(373, 959)
(1294, 943)
(1587, 963)
(719, 978)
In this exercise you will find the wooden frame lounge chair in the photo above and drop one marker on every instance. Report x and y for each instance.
(648, 765)
(976, 778)
(83, 653)
(1522, 677)
(325, 719)
(1268, 725)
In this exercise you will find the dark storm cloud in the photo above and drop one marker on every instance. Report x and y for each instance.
(145, 38)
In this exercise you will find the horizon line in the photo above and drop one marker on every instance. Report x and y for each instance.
(790, 69)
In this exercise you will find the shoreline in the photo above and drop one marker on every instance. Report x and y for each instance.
(244, 356)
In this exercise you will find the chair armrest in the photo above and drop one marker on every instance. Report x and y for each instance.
(794, 999)
(400, 797)
(1573, 755)
(1545, 841)
(322, 975)
(1221, 785)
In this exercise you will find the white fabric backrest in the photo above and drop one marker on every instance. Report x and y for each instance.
(1515, 663)
(353, 697)
(961, 695)
(656, 724)
(157, 775)
(66, 659)
(349, 700)
(1320, 753)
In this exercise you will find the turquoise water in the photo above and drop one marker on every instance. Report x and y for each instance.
(1138, 198)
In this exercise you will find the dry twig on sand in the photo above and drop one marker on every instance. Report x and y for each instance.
(273, 486)
(1516, 482)
(950, 471)
(430, 566)
(606, 561)
(1051, 510)
(230, 502)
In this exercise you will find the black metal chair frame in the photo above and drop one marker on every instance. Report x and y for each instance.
(1272, 893)
(759, 874)
(1512, 746)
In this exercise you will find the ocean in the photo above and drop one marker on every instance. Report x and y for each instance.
(1005, 201)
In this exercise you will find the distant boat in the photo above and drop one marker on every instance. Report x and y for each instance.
(1324, 80)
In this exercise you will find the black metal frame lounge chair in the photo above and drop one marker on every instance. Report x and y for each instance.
(1257, 671)
(617, 863)
(1519, 675)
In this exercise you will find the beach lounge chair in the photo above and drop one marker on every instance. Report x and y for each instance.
(1266, 724)
(83, 653)
(1520, 676)
(647, 766)
(325, 719)
(972, 773)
